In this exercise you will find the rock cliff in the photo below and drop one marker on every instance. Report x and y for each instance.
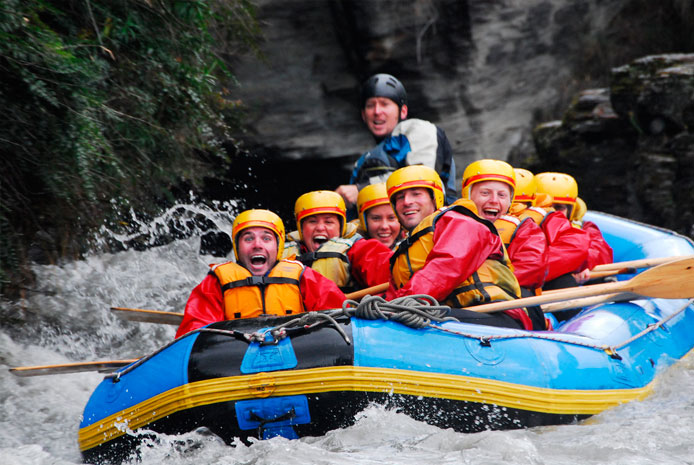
(486, 72)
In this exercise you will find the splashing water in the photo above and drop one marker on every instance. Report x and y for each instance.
(66, 318)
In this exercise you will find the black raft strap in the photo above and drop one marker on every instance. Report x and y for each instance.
(259, 281)
(308, 258)
(407, 242)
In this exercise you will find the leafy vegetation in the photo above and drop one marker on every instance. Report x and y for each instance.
(108, 99)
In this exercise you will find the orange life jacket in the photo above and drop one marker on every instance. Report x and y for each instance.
(506, 226)
(493, 281)
(248, 296)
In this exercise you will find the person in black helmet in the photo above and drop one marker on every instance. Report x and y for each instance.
(401, 141)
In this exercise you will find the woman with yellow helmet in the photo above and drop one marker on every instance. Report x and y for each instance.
(450, 253)
(492, 185)
(259, 282)
(327, 243)
(377, 219)
(568, 246)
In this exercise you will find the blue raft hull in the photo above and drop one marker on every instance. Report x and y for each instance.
(454, 375)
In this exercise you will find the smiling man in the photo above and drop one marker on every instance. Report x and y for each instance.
(259, 283)
(450, 253)
(491, 185)
(327, 243)
(401, 141)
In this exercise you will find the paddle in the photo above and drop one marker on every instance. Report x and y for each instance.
(667, 281)
(640, 263)
(606, 273)
(148, 316)
(103, 366)
(377, 289)
(588, 301)
(174, 318)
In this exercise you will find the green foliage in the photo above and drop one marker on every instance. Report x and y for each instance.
(109, 98)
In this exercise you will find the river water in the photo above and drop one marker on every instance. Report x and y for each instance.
(66, 318)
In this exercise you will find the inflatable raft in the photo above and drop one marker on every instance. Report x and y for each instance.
(306, 380)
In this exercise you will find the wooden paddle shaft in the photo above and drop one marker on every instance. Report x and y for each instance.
(64, 368)
(641, 263)
(667, 281)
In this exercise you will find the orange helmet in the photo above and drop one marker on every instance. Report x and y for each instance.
(416, 176)
(316, 202)
(371, 196)
(525, 185)
(488, 170)
(258, 218)
(561, 186)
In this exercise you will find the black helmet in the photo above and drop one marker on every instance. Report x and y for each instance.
(383, 85)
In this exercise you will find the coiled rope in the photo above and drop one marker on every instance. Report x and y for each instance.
(415, 311)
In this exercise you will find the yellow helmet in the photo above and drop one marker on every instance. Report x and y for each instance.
(317, 202)
(371, 196)
(258, 218)
(488, 170)
(580, 210)
(415, 176)
(561, 186)
(525, 185)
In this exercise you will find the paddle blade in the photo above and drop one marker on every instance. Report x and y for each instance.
(103, 366)
(671, 280)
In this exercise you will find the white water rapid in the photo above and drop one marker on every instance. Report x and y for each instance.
(66, 318)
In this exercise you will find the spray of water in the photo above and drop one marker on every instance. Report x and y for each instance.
(66, 318)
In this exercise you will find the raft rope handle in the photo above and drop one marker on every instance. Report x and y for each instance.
(653, 326)
(610, 350)
(415, 311)
(308, 321)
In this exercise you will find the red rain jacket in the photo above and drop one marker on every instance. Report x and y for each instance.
(205, 304)
(568, 246)
(461, 245)
(600, 251)
(528, 252)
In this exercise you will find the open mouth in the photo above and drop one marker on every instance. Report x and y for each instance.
(258, 260)
(491, 211)
(319, 240)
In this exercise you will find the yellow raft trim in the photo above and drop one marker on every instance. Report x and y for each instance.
(362, 379)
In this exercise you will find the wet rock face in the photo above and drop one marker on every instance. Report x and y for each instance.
(483, 71)
(631, 146)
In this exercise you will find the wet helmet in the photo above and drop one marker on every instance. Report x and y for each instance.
(561, 186)
(316, 202)
(369, 197)
(383, 85)
(415, 176)
(258, 218)
(488, 170)
(525, 186)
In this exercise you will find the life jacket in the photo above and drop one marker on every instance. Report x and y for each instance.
(506, 226)
(248, 296)
(330, 259)
(537, 214)
(493, 281)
